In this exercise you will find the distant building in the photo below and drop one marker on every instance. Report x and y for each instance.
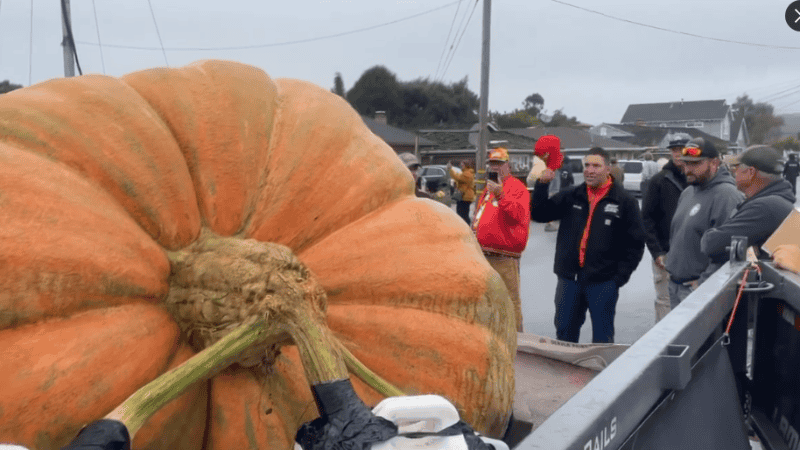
(400, 140)
(656, 139)
(457, 144)
(577, 142)
(790, 127)
(713, 117)
(461, 144)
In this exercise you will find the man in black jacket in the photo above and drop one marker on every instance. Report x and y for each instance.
(658, 207)
(791, 170)
(599, 244)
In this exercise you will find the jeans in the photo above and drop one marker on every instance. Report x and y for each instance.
(574, 297)
(678, 293)
(462, 209)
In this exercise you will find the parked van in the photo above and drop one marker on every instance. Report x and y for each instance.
(633, 175)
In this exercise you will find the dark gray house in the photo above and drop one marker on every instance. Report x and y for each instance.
(400, 140)
(713, 117)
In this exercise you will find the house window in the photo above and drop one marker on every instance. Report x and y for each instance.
(694, 124)
(603, 131)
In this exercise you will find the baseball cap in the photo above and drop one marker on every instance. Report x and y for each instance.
(680, 142)
(698, 149)
(498, 154)
(762, 157)
(409, 159)
(546, 145)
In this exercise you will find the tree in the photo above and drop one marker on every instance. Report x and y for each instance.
(759, 117)
(7, 86)
(787, 144)
(377, 90)
(560, 119)
(533, 104)
(427, 103)
(515, 119)
(338, 85)
(526, 117)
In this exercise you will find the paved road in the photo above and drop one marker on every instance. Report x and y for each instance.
(635, 309)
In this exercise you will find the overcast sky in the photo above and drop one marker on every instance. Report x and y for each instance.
(588, 64)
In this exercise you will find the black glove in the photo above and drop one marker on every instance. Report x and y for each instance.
(104, 434)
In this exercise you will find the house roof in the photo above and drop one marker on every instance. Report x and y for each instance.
(393, 135)
(652, 136)
(791, 125)
(573, 138)
(459, 139)
(610, 129)
(737, 125)
(676, 111)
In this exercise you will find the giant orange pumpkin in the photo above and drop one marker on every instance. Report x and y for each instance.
(103, 179)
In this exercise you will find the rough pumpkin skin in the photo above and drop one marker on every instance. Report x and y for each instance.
(101, 177)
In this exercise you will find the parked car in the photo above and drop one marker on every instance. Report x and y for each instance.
(633, 175)
(435, 178)
(576, 166)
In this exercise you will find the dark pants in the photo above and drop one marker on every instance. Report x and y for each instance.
(793, 181)
(462, 208)
(573, 298)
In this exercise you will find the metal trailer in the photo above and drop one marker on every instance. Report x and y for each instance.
(687, 385)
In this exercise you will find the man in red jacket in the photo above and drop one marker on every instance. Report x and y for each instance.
(501, 223)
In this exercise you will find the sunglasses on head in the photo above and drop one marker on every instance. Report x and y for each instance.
(692, 150)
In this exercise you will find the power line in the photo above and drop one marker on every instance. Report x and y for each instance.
(30, 50)
(161, 43)
(451, 49)
(275, 44)
(97, 27)
(748, 92)
(453, 53)
(778, 96)
(447, 39)
(790, 104)
(675, 31)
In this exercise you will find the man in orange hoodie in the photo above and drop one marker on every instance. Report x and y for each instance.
(501, 223)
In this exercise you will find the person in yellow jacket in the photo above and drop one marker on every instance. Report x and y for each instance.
(465, 185)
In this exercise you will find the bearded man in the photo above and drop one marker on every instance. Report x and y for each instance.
(707, 203)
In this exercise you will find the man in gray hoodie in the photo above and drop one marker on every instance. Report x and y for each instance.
(758, 171)
(707, 203)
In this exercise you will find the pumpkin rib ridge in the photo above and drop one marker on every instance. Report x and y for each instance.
(221, 115)
(135, 163)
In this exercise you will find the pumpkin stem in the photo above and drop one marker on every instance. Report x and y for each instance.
(366, 375)
(322, 363)
(238, 301)
(145, 402)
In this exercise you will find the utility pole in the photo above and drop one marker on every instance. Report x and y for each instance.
(69, 55)
(483, 111)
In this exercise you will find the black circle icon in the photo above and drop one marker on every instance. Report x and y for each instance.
(793, 16)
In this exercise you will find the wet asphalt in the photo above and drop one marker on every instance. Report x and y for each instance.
(635, 308)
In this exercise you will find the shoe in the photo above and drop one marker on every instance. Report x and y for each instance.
(551, 227)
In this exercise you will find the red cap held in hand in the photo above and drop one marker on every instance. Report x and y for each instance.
(548, 147)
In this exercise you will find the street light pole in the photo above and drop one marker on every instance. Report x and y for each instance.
(69, 56)
(483, 136)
